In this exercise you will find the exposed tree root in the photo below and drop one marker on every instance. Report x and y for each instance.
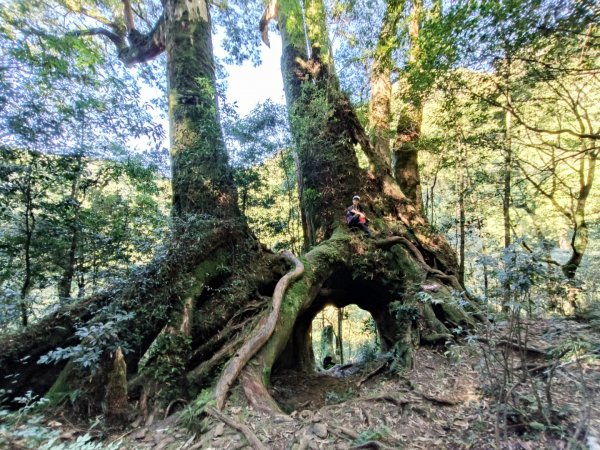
(20, 351)
(371, 374)
(439, 400)
(247, 432)
(451, 279)
(252, 346)
(256, 392)
(531, 351)
(387, 398)
(203, 370)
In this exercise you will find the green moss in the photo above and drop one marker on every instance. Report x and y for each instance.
(407, 264)
(205, 271)
(62, 387)
(317, 267)
(166, 363)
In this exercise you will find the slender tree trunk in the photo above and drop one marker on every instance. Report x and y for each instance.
(507, 180)
(506, 195)
(28, 229)
(340, 336)
(66, 280)
(580, 238)
(461, 214)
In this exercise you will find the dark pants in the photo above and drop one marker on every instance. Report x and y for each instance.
(355, 223)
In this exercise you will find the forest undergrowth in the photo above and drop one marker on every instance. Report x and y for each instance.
(518, 384)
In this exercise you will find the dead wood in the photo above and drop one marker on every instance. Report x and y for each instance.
(531, 351)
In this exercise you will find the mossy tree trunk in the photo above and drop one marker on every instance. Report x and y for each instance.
(410, 118)
(389, 274)
(174, 317)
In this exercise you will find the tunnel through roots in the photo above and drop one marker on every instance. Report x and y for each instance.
(343, 336)
(367, 328)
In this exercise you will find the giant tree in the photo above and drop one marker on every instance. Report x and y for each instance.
(187, 315)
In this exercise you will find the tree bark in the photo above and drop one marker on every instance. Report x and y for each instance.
(66, 280)
(461, 215)
(202, 180)
(381, 89)
(408, 132)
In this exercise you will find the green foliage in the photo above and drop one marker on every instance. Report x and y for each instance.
(404, 312)
(25, 429)
(265, 174)
(94, 220)
(519, 60)
(360, 340)
(367, 351)
(84, 442)
(333, 397)
(96, 339)
(77, 205)
(166, 363)
(192, 417)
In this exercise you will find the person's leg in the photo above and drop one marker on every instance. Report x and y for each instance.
(365, 228)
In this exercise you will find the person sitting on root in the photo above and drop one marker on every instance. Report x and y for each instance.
(356, 217)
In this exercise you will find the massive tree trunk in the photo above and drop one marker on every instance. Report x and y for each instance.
(196, 305)
(380, 107)
(210, 246)
(410, 119)
(382, 276)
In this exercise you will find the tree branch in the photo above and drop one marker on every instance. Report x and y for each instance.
(271, 13)
(142, 47)
(119, 41)
(128, 16)
(559, 131)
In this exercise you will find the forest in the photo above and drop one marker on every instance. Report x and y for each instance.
(402, 253)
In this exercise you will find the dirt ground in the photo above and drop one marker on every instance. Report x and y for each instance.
(448, 400)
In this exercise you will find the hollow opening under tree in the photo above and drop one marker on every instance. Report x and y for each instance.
(345, 335)
(303, 352)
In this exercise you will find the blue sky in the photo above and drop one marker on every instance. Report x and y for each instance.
(248, 85)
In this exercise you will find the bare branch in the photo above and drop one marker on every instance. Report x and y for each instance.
(594, 135)
(128, 16)
(271, 13)
(114, 38)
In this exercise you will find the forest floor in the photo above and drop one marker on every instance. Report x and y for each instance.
(448, 400)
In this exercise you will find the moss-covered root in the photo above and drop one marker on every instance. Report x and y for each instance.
(434, 331)
(263, 334)
(319, 264)
(116, 391)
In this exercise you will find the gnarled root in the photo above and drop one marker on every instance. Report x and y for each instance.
(252, 346)
(247, 432)
(256, 391)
